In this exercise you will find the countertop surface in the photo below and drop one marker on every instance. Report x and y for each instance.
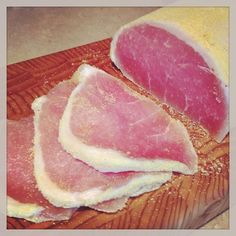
(33, 32)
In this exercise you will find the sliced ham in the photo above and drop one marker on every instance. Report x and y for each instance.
(24, 198)
(67, 182)
(112, 128)
(180, 55)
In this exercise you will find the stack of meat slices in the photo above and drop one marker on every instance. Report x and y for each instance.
(95, 142)
(92, 142)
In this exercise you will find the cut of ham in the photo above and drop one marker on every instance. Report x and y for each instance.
(24, 198)
(67, 182)
(180, 55)
(112, 128)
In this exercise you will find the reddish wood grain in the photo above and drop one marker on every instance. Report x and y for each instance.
(183, 202)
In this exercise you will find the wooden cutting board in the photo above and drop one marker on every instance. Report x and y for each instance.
(183, 202)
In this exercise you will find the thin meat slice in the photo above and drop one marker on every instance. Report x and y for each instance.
(180, 55)
(111, 206)
(24, 198)
(68, 182)
(113, 128)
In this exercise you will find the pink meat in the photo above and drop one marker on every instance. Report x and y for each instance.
(67, 173)
(118, 120)
(21, 184)
(175, 73)
(107, 114)
(62, 168)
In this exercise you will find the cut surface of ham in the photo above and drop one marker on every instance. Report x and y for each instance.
(66, 181)
(180, 61)
(113, 128)
(24, 198)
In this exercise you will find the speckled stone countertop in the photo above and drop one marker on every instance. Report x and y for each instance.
(33, 32)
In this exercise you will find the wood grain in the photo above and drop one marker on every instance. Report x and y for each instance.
(184, 202)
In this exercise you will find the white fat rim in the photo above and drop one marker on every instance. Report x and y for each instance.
(62, 198)
(22, 210)
(172, 28)
(120, 203)
(109, 160)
